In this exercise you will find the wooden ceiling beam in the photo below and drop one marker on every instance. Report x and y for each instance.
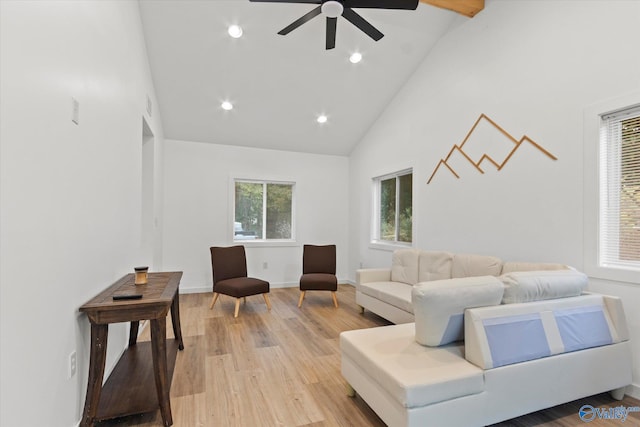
(464, 7)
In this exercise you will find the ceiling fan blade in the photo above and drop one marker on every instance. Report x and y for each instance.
(288, 1)
(305, 18)
(361, 23)
(382, 4)
(331, 32)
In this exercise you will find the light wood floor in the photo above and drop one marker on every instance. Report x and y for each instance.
(282, 368)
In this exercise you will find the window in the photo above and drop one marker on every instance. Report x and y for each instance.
(619, 199)
(393, 208)
(263, 210)
(612, 189)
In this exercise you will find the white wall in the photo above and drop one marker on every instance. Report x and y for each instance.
(199, 213)
(533, 67)
(70, 194)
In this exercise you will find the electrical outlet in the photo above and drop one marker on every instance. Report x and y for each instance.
(265, 265)
(73, 364)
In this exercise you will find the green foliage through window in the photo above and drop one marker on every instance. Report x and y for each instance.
(263, 211)
(395, 208)
(279, 197)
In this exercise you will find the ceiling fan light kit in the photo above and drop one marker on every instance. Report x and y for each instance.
(332, 9)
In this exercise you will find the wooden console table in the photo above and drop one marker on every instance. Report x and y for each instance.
(128, 389)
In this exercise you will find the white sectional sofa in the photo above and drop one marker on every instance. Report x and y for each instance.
(387, 291)
(484, 349)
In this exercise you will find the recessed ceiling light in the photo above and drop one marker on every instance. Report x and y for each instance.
(226, 105)
(322, 119)
(235, 31)
(355, 57)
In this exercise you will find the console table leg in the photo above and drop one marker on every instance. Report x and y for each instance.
(159, 352)
(175, 320)
(97, 361)
(133, 332)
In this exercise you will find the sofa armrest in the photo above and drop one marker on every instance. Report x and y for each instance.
(369, 275)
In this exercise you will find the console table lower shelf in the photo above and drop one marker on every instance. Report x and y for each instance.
(131, 387)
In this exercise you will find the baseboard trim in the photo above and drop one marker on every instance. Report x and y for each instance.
(196, 290)
(633, 390)
(207, 288)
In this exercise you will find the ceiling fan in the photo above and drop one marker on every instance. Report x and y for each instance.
(334, 8)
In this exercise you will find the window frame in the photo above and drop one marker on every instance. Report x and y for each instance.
(375, 240)
(592, 123)
(262, 242)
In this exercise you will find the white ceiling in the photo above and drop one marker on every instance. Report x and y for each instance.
(278, 84)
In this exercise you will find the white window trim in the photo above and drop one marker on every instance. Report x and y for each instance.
(263, 243)
(591, 172)
(375, 242)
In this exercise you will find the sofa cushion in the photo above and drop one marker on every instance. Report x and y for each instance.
(513, 333)
(434, 265)
(510, 266)
(412, 374)
(394, 293)
(526, 286)
(468, 265)
(404, 266)
(439, 306)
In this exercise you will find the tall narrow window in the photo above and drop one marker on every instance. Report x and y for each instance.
(619, 240)
(394, 212)
(263, 210)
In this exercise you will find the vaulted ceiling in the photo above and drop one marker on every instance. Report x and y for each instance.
(278, 85)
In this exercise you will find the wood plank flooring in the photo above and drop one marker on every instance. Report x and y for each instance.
(282, 368)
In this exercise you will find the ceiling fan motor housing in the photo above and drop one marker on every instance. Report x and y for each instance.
(332, 8)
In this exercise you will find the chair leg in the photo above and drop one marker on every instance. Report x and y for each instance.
(266, 300)
(244, 300)
(235, 313)
(213, 301)
(335, 300)
(301, 298)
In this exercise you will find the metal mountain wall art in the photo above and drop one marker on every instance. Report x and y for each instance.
(491, 139)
